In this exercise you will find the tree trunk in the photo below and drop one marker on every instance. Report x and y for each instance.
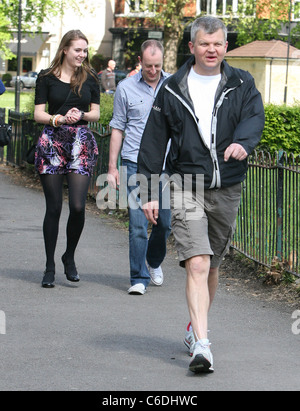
(171, 43)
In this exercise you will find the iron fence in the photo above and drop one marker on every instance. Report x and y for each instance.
(268, 222)
(2, 117)
(102, 136)
(25, 132)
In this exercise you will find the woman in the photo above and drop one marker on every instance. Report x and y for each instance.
(66, 147)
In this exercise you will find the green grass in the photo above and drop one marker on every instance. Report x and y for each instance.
(7, 100)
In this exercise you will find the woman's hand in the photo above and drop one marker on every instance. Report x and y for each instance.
(73, 116)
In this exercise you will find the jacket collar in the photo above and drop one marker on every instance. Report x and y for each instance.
(178, 82)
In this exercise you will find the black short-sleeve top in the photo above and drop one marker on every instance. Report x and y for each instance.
(51, 90)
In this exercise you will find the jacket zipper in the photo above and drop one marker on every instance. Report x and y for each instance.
(216, 180)
(190, 110)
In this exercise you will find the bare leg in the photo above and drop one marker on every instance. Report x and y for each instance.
(213, 281)
(201, 287)
(198, 294)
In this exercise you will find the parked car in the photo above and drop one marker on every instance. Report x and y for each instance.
(28, 80)
(120, 75)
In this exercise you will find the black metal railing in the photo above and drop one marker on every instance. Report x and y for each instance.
(102, 136)
(2, 149)
(25, 132)
(268, 222)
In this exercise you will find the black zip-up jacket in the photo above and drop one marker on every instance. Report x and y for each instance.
(238, 117)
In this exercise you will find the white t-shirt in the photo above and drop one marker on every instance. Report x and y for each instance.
(202, 91)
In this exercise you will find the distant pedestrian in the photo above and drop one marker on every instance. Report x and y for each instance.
(108, 78)
(66, 147)
(214, 116)
(136, 69)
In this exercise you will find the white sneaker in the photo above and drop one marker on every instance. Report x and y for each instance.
(156, 274)
(202, 360)
(189, 339)
(137, 289)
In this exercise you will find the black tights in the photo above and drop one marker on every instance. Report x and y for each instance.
(53, 190)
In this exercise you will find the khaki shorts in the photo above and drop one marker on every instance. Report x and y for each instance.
(204, 223)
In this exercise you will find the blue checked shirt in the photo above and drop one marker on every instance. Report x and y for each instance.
(133, 101)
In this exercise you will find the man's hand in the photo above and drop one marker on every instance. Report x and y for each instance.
(113, 178)
(151, 211)
(235, 151)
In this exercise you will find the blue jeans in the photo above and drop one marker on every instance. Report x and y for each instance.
(140, 248)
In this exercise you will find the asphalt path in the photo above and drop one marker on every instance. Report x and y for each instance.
(93, 336)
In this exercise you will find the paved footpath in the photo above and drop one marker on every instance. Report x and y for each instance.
(92, 336)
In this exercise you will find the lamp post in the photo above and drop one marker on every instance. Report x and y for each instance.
(17, 85)
(288, 55)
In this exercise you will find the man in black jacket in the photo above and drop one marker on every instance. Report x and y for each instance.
(214, 116)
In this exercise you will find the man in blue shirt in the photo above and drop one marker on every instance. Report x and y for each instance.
(133, 101)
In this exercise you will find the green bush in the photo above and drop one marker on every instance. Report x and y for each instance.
(6, 78)
(106, 108)
(282, 129)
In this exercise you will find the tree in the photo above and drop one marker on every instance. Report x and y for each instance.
(171, 17)
(4, 33)
(259, 20)
(254, 20)
(34, 13)
(168, 15)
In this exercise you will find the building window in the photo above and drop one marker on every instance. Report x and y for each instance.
(12, 65)
(135, 5)
(139, 8)
(26, 64)
(217, 7)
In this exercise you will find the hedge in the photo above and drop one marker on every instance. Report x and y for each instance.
(282, 129)
(282, 126)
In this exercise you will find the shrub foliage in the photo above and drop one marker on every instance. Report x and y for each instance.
(282, 129)
(281, 132)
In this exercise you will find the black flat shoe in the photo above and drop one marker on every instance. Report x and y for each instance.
(70, 270)
(48, 279)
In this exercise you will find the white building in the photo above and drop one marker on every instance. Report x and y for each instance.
(94, 20)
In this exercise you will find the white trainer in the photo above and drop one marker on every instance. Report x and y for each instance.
(156, 274)
(137, 289)
(202, 360)
(189, 339)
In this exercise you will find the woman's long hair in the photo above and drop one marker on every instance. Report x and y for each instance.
(80, 74)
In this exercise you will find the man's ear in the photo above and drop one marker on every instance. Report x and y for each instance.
(191, 46)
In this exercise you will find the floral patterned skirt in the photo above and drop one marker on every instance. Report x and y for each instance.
(66, 149)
